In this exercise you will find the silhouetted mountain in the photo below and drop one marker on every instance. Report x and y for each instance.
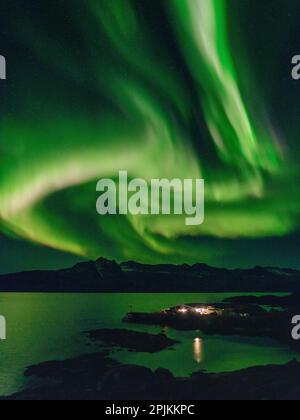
(108, 276)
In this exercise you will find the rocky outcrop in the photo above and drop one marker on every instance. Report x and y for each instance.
(97, 377)
(132, 340)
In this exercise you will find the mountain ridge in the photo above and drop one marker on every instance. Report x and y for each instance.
(105, 276)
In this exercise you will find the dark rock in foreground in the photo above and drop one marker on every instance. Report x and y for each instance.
(132, 340)
(97, 377)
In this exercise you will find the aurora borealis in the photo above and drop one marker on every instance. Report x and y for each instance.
(162, 89)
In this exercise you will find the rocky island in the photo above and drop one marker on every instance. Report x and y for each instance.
(132, 340)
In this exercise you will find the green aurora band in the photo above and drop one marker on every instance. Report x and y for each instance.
(149, 87)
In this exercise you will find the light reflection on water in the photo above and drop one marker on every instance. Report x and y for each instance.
(198, 350)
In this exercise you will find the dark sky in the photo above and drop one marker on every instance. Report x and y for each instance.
(17, 255)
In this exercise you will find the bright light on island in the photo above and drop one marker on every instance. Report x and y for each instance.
(200, 310)
(182, 310)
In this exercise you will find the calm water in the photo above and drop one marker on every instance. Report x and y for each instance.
(43, 327)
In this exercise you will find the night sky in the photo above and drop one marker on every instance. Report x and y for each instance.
(162, 89)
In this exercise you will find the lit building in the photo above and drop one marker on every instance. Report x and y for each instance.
(218, 309)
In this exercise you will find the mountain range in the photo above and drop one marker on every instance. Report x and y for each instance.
(105, 276)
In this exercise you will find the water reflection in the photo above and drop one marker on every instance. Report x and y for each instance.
(198, 350)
